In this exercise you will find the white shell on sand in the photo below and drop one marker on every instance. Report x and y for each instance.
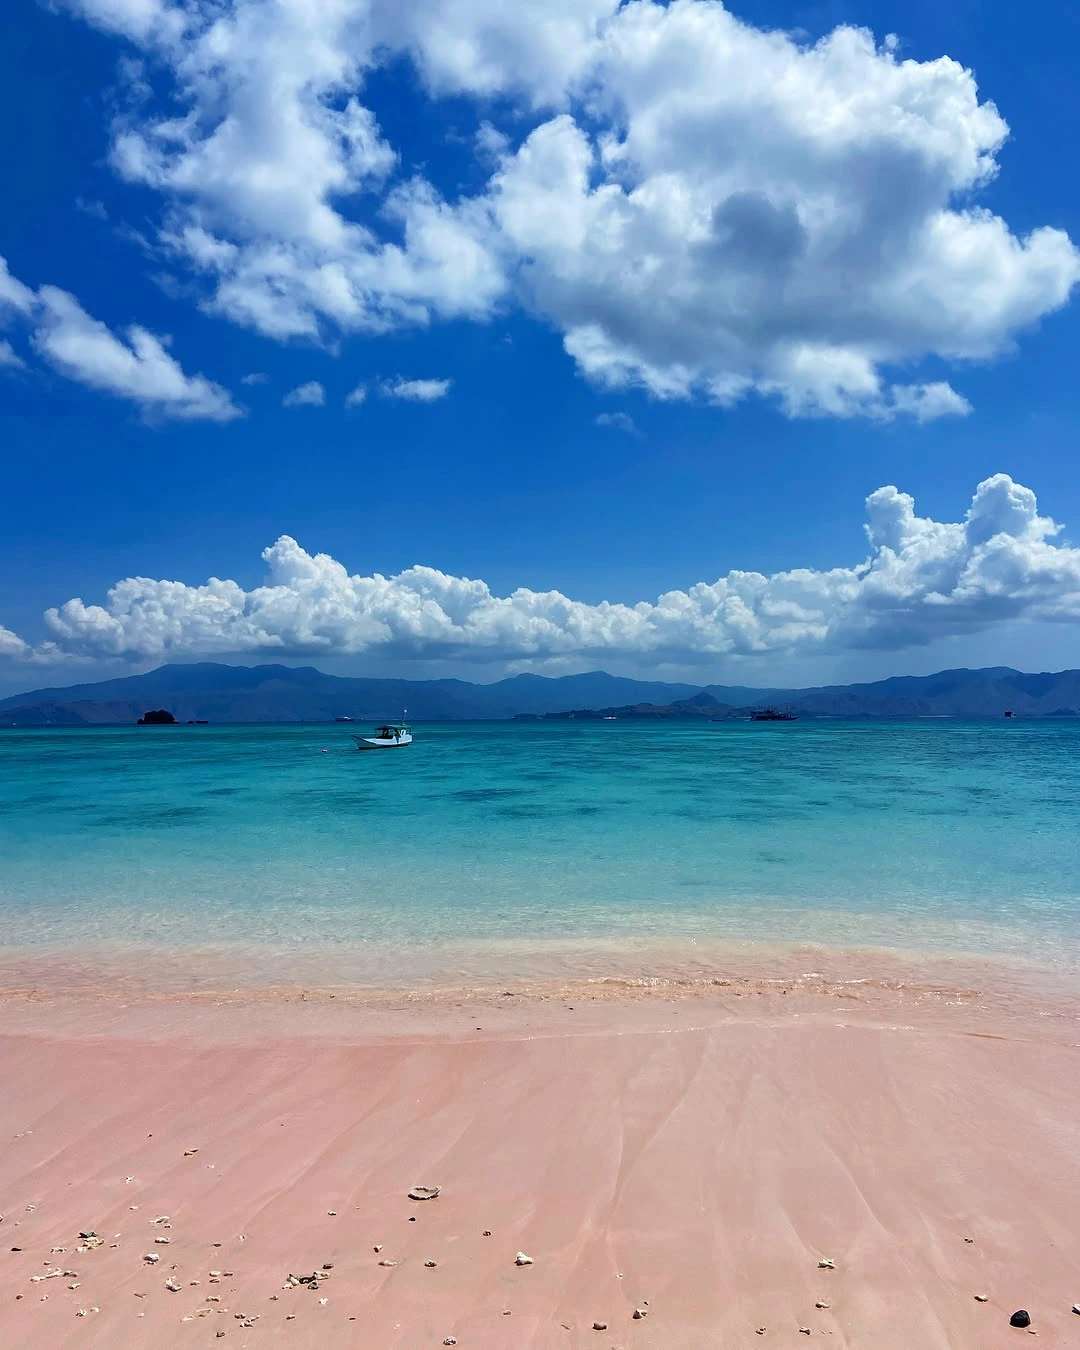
(522, 1260)
(826, 1263)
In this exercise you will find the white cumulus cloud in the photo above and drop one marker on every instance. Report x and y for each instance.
(415, 391)
(702, 208)
(921, 580)
(137, 367)
(311, 395)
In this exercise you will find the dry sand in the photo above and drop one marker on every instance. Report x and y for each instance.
(691, 1152)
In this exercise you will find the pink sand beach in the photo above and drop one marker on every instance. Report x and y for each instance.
(691, 1154)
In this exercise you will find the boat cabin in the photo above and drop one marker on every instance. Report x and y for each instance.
(388, 736)
(393, 732)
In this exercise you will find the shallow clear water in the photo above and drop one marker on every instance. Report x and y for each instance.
(932, 835)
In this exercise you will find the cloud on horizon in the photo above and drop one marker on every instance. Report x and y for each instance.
(922, 580)
(701, 208)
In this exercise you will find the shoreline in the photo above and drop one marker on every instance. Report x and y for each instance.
(356, 971)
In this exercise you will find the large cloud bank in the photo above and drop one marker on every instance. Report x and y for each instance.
(921, 580)
(701, 208)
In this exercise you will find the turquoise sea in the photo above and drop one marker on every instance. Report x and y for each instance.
(494, 848)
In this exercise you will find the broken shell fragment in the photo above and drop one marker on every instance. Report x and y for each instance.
(424, 1192)
(982, 1298)
(826, 1263)
(599, 1326)
(522, 1260)
(639, 1313)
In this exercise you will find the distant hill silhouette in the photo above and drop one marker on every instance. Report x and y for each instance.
(216, 692)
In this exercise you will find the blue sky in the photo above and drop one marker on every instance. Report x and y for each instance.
(744, 419)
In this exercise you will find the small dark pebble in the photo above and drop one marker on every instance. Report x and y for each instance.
(328, 1265)
(412, 1218)
(1020, 1319)
(16, 1249)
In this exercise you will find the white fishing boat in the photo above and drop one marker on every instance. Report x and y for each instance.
(387, 737)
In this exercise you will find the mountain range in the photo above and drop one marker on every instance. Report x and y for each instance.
(215, 692)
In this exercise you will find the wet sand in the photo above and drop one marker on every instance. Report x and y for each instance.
(690, 1151)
